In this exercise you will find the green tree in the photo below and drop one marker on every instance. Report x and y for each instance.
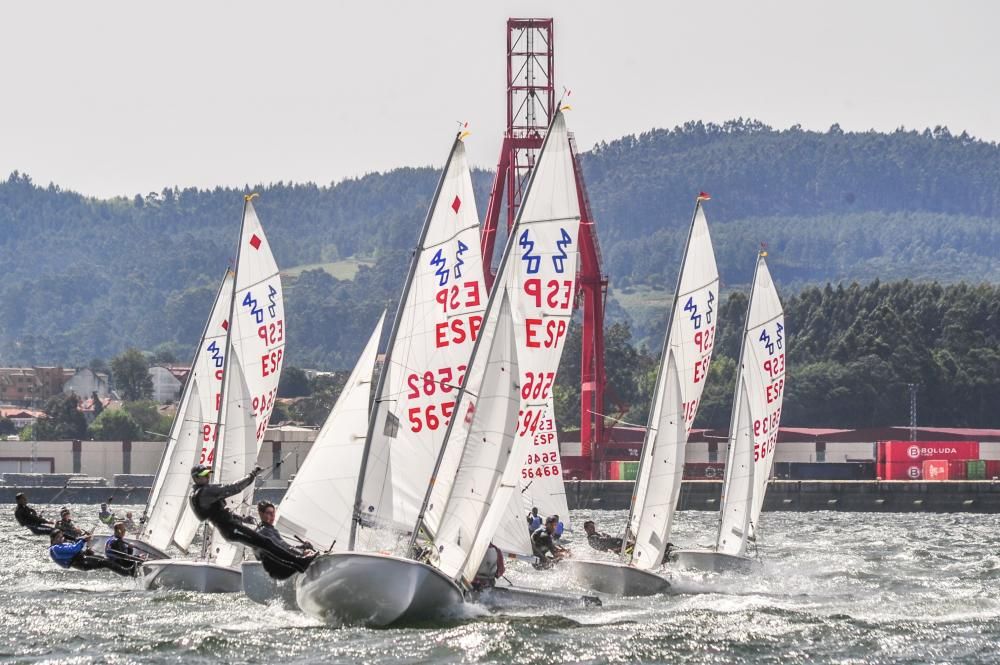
(7, 427)
(115, 425)
(131, 375)
(98, 404)
(293, 383)
(147, 416)
(63, 420)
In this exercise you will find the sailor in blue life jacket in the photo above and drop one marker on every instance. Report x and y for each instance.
(543, 545)
(558, 531)
(534, 520)
(27, 517)
(294, 560)
(118, 549)
(77, 555)
(106, 517)
(209, 503)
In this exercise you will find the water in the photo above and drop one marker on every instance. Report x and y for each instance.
(834, 587)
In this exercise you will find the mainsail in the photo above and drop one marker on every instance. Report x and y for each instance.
(536, 284)
(439, 318)
(319, 504)
(760, 388)
(168, 497)
(684, 363)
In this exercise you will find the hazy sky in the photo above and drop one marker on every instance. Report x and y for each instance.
(120, 97)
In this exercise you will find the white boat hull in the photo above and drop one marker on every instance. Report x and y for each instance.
(617, 579)
(191, 576)
(375, 590)
(506, 597)
(264, 589)
(98, 543)
(709, 561)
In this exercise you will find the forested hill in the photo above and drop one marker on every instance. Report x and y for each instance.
(85, 278)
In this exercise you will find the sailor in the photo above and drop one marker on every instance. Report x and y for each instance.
(78, 555)
(129, 522)
(544, 546)
(27, 517)
(601, 541)
(118, 549)
(106, 516)
(534, 520)
(558, 532)
(65, 524)
(209, 503)
(294, 559)
(490, 570)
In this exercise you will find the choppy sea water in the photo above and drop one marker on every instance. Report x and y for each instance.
(833, 587)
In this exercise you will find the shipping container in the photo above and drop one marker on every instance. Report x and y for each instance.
(975, 469)
(956, 469)
(919, 451)
(828, 471)
(993, 469)
(628, 470)
(902, 470)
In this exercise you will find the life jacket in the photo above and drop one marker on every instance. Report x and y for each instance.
(64, 553)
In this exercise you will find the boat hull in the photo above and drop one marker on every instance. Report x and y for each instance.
(97, 543)
(505, 597)
(264, 589)
(709, 561)
(617, 579)
(356, 588)
(196, 576)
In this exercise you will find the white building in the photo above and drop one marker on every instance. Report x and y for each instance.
(167, 382)
(86, 381)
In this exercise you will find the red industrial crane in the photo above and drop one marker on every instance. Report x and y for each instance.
(531, 101)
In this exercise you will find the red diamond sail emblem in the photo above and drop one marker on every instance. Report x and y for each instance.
(225, 325)
(456, 204)
(255, 241)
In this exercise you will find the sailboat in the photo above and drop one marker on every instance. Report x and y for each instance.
(485, 431)
(247, 366)
(753, 430)
(684, 362)
(319, 504)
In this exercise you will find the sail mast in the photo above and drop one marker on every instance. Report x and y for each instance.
(383, 374)
(650, 431)
(734, 417)
(217, 468)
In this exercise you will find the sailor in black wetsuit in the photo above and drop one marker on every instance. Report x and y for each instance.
(209, 503)
(601, 542)
(27, 517)
(543, 545)
(65, 524)
(294, 560)
(78, 555)
(118, 549)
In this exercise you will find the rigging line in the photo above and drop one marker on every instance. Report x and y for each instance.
(451, 237)
(624, 422)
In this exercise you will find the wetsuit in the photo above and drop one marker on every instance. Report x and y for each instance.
(209, 503)
(73, 555)
(27, 517)
(69, 529)
(118, 550)
(604, 543)
(292, 560)
(542, 546)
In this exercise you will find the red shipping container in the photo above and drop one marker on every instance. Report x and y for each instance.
(918, 451)
(992, 469)
(902, 470)
(957, 469)
(614, 470)
(935, 469)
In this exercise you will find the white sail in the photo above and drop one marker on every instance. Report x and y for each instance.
(737, 489)
(545, 492)
(319, 504)
(537, 278)
(757, 413)
(168, 498)
(688, 344)
(464, 489)
(235, 457)
(206, 372)
(439, 318)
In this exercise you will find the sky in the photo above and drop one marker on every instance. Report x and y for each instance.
(122, 97)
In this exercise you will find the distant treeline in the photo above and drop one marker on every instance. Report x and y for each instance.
(87, 278)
